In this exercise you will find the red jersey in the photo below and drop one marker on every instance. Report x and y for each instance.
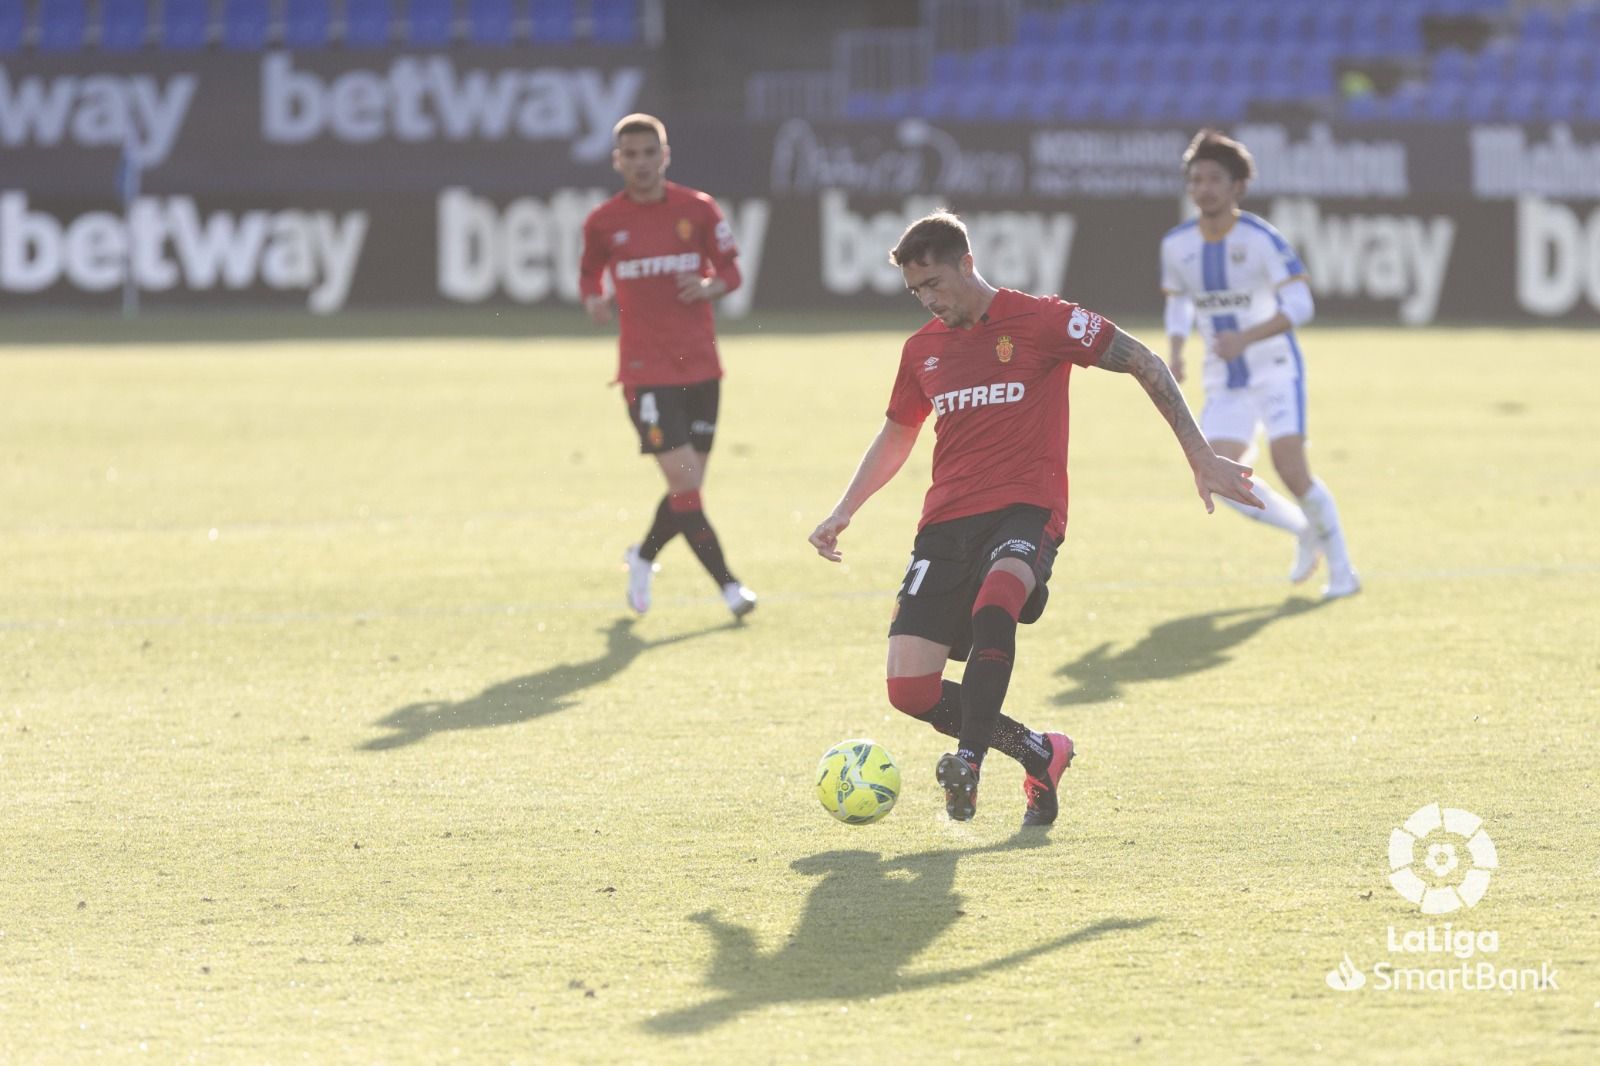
(646, 246)
(999, 390)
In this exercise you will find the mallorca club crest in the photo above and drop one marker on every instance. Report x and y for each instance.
(685, 229)
(655, 435)
(1003, 349)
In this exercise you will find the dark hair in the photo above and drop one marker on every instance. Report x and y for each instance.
(639, 122)
(941, 237)
(1218, 147)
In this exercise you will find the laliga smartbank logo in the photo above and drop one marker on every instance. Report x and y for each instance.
(1440, 861)
(1441, 882)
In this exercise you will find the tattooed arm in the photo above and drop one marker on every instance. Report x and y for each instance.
(1212, 473)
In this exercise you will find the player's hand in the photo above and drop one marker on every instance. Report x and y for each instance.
(1215, 474)
(599, 308)
(825, 538)
(692, 288)
(1175, 364)
(1229, 345)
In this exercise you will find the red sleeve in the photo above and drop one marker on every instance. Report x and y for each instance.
(908, 404)
(596, 252)
(719, 248)
(1073, 333)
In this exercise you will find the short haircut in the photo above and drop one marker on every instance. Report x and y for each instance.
(639, 122)
(1218, 147)
(941, 237)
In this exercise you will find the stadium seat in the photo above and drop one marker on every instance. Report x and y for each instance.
(366, 23)
(1539, 25)
(553, 21)
(491, 22)
(305, 23)
(185, 24)
(430, 22)
(13, 26)
(123, 25)
(1484, 102)
(1365, 107)
(1453, 65)
(61, 25)
(245, 24)
(614, 21)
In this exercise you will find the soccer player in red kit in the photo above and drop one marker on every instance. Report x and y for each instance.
(993, 368)
(670, 253)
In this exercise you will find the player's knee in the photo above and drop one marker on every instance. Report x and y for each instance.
(1004, 590)
(916, 696)
(682, 502)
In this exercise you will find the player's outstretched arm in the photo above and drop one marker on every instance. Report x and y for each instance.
(885, 456)
(1212, 473)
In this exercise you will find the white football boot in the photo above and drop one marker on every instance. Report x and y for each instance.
(640, 571)
(1345, 583)
(1307, 553)
(740, 600)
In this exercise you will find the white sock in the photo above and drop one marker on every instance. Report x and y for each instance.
(1324, 515)
(1279, 511)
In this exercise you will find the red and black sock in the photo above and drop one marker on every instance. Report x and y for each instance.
(692, 523)
(994, 645)
(663, 529)
(936, 701)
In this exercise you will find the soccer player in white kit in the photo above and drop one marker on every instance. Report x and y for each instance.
(1238, 278)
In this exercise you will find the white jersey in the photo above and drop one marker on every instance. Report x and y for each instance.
(1234, 284)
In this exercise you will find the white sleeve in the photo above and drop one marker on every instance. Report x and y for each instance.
(1171, 277)
(1294, 300)
(1180, 315)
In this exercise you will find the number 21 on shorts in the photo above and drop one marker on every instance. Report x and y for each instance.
(920, 568)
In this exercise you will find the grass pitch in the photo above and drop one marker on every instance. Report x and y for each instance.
(325, 735)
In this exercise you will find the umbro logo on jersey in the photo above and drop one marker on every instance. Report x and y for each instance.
(1237, 255)
(931, 362)
(982, 396)
(620, 237)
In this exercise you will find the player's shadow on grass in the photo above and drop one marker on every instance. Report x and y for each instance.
(524, 698)
(866, 921)
(1172, 649)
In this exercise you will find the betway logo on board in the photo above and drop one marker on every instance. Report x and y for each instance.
(140, 112)
(1380, 257)
(425, 98)
(164, 243)
(530, 249)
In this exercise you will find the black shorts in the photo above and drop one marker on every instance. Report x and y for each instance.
(949, 562)
(670, 416)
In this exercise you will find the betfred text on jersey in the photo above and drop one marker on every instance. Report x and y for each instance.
(424, 98)
(982, 396)
(655, 266)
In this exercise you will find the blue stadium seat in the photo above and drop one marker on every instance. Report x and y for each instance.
(1540, 25)
(430, 22)
(1591, 106)
(185, 24)
(245, 24)
(366, 23)
(61, 25)
(1524, 102)
(1581, 24)
(1033, 27)
(305, 23)
(491, 22)
(554, 21)
(1444, 101)
(1365, 107)
(1484, 102)
(1453, 65)
(1408, 103)
(615, 21)
(123, 25)
(1110, 24)
(1574, 60)
(13, 25)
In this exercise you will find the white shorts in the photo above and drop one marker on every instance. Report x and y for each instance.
(1236, 414)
